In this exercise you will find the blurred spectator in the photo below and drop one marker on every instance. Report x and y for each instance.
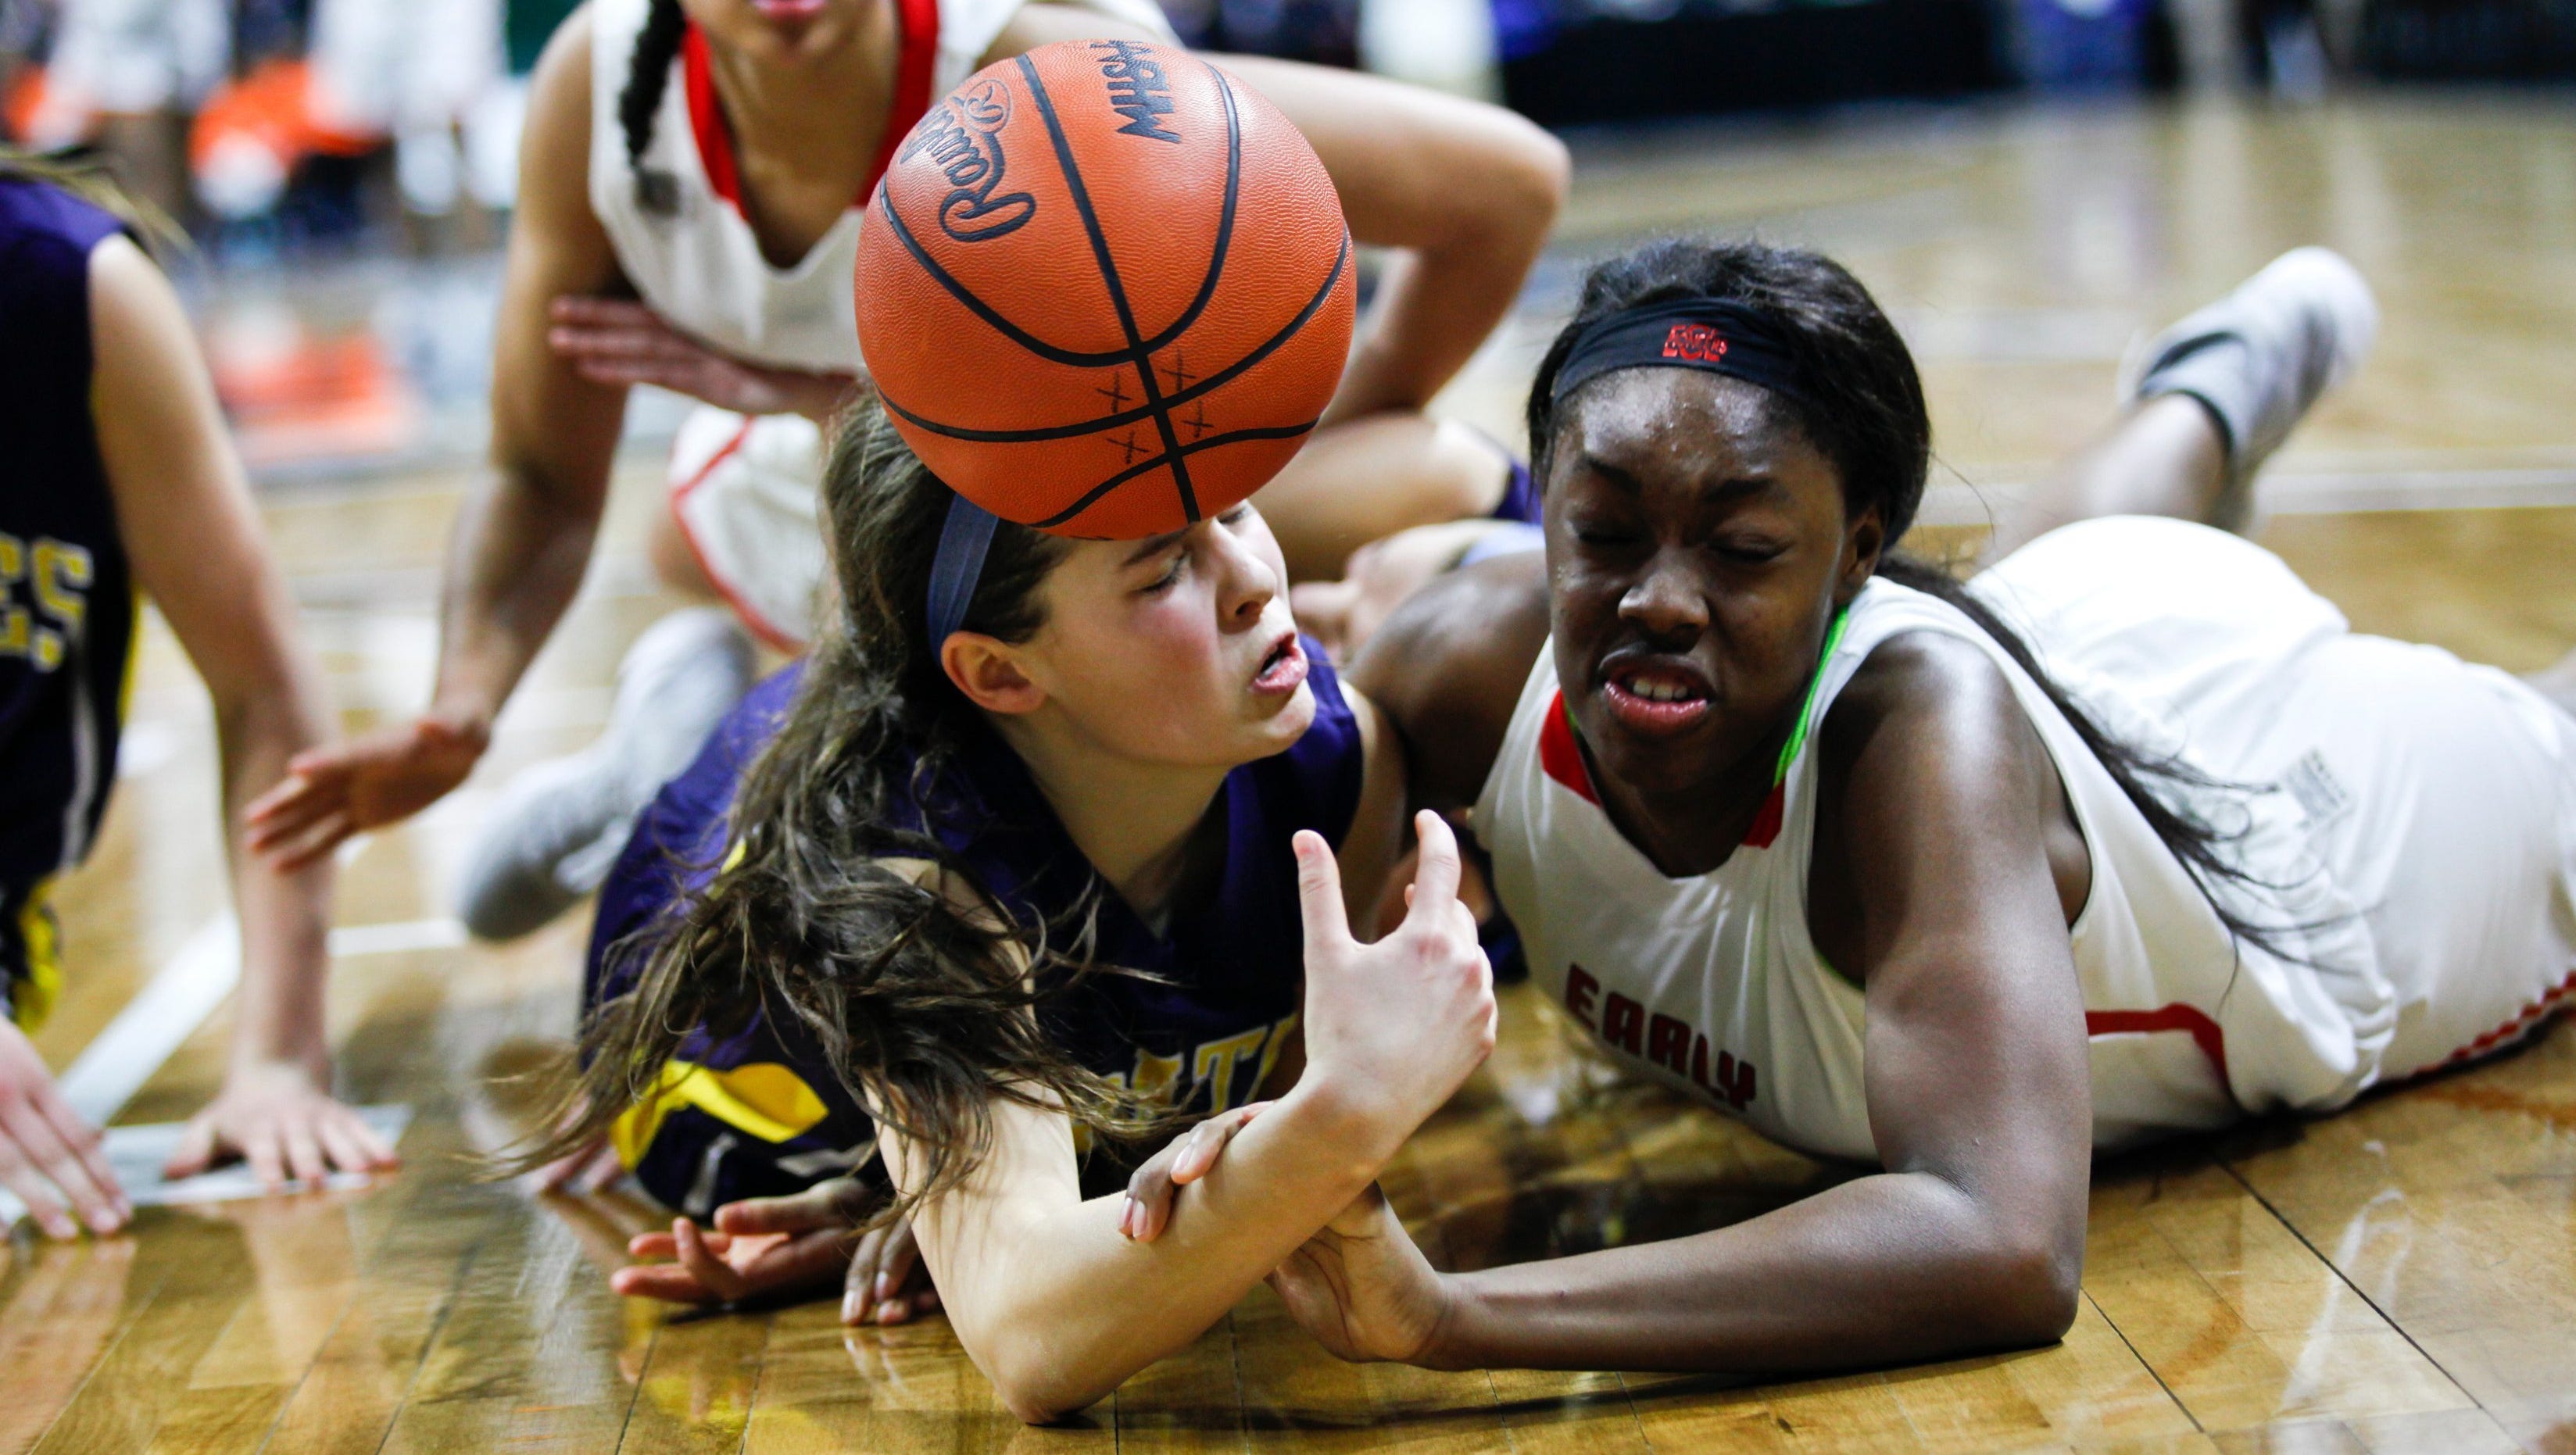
(125, 74)
(1324, 31)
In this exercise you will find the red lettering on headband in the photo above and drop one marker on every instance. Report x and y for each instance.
(1695, 341)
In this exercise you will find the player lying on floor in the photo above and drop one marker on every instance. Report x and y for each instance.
(123, 481)
(943, 893)
(2128, 836)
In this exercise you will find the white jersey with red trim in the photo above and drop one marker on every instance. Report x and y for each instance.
(2415, 851)
(697, 262)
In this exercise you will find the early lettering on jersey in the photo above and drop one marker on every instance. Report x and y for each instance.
(961, 137)
(1138, 89)
(1658, 1039)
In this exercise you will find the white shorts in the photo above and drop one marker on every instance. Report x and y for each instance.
(2442, 795)
(746, 491)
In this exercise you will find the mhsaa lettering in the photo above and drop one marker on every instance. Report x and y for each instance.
(1138, 90)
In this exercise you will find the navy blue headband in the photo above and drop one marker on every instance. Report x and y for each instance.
(1682, 333)
(963, 540)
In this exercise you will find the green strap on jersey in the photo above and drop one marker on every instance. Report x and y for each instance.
(1807, 711)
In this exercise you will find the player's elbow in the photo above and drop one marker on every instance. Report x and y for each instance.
(2026, 1290)
(1542, 174)
(1526, 181)
(1035, 1392)
(1038, 1378)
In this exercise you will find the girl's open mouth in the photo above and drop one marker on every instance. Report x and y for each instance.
(1283, 670)
(1656, 700)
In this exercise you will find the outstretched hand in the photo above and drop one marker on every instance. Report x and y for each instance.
(1362, 1288)
(282, 1120)
(346, 788)
(620, 342)
(778, 1247)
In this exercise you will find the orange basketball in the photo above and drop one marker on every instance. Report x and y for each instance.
(1105, 289)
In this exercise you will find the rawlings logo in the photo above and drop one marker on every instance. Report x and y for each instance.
(961, 136)
(1137, 88)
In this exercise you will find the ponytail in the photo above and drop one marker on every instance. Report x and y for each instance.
(648, 75)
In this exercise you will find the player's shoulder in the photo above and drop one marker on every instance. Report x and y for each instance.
(1447, 667)
(48, 237)
(561, 88)
(1930, 719)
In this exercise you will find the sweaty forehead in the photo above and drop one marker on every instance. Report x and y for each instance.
(1653, 422)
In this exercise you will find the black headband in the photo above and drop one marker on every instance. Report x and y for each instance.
(1682, 333)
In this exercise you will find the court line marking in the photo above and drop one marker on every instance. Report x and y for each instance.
(187, 991)
(2340, 492)
(156, 1022)
(397, 937)
(2361, 491)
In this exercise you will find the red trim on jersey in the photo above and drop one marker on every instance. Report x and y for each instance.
(919, 22)
(1766, 824)
(761, 626)
(706, 117)
(2549, 1003)
(912, 98)
(2203, 1030)
(1561, 755)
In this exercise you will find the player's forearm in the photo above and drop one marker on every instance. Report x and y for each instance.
(514, 565)
(1071, 1307)
(285, 918)
(1886, 1269)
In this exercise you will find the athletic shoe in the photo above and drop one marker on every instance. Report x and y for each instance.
(2259, 357)
(559, 826)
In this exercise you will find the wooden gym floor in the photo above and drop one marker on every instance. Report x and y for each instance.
(2402, 1277)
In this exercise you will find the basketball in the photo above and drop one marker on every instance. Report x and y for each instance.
(1105, 289)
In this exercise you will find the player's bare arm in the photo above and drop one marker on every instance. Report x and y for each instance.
(525, 534)
(188, 525)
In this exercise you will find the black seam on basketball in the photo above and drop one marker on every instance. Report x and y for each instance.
(1211, 383)
(1231, 437)
(1224, 219)
(1109, 279)
(984, 311)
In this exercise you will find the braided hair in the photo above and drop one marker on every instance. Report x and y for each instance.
(648, 74)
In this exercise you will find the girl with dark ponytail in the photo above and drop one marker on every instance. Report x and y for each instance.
(2127, 835)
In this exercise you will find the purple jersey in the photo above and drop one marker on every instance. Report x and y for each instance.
(66, 599)
(1226, 971)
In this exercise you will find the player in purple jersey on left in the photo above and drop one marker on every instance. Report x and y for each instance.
(121, 481)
